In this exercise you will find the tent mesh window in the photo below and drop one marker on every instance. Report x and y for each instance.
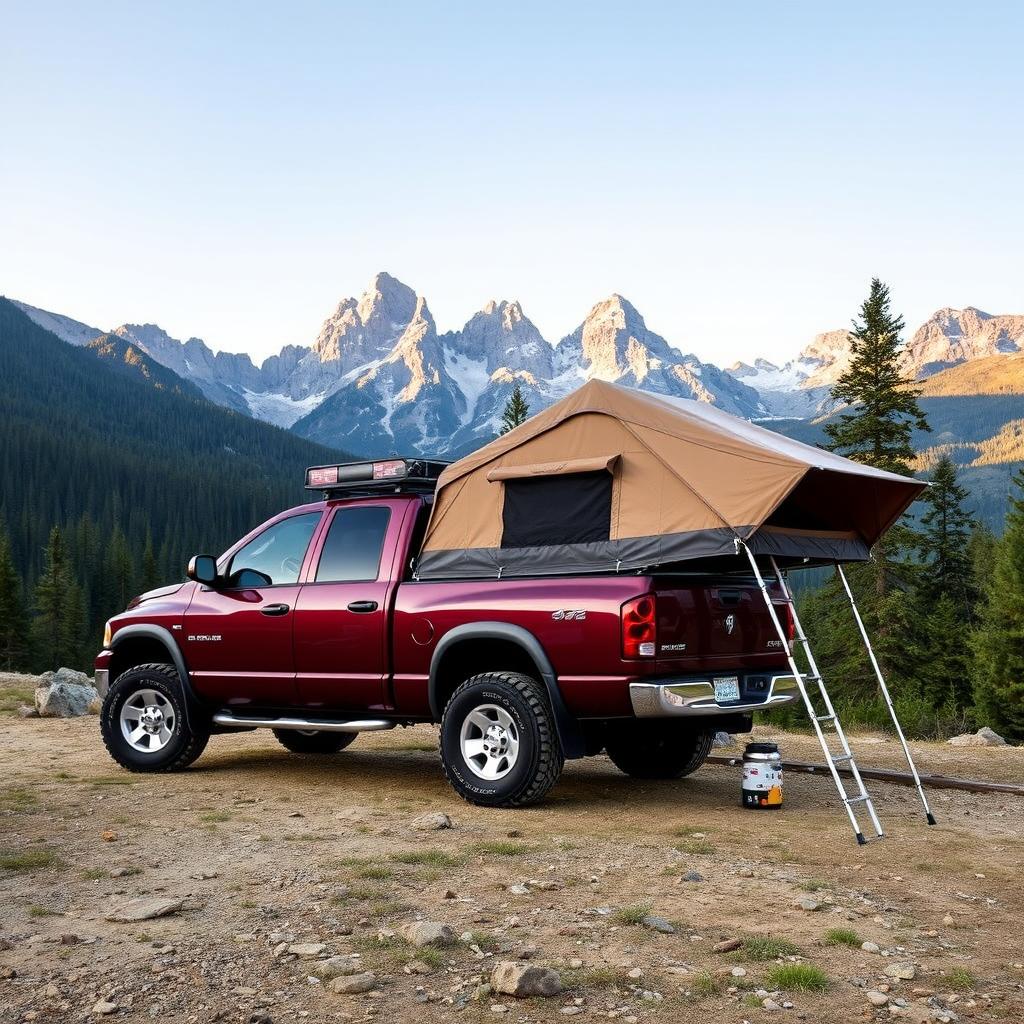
(570, 508)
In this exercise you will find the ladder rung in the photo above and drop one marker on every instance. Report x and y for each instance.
(857, 799)
(842, 757)
(825, 718)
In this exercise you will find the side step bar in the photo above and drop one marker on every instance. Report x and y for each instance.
(225, 718)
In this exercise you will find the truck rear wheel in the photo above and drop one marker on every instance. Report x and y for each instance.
(499, 746)
(144, 724)
(658, 749)
(313, 741)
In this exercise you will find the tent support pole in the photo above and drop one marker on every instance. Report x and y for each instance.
(885, 693)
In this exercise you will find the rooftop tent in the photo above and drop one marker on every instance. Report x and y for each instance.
(612, 479)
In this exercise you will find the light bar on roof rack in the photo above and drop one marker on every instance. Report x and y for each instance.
(382, 475)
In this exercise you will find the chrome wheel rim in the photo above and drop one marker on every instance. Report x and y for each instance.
(148, 721)
(489, 739)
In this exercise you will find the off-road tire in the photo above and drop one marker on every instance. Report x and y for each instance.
(539, 761)
(658, 749)
(189, 736)
(319, 742)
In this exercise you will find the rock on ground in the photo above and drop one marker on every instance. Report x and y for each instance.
(353, 984)
(66, 694)
(428, 933)
(984, 737)
(525, 980)
(431, 822)
(145, 908)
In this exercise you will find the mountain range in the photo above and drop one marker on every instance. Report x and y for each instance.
(379, 377)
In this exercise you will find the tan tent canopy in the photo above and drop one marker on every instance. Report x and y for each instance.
(612, 479)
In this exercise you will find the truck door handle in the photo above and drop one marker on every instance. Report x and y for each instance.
(275, 609)
(362, 606)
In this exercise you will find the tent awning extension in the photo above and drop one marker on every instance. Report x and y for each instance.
(613, 480)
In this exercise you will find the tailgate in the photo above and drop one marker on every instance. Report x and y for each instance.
(716, 618)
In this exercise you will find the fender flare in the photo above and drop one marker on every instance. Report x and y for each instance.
(164, 637)
(570, 734)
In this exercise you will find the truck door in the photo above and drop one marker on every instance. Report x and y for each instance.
(341, 615)
(238, 636)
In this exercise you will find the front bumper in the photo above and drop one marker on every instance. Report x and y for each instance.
(693, 698)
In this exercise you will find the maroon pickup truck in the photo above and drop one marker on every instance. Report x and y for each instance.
(315, 626)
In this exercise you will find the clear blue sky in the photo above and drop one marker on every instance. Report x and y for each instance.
(739, 171)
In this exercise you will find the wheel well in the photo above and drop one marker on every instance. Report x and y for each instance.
(137, 650)
(471, 656)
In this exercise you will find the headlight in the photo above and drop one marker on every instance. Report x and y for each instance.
(107, 635)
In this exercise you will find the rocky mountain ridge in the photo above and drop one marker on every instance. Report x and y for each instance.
(380, 378)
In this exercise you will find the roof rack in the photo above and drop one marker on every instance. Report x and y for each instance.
(385, 476)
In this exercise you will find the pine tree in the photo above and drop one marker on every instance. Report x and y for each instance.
(944, 539)
(13, 616)
(999, 640)
(58, 624)
(884, 409)
(150, 573)
(516, 410)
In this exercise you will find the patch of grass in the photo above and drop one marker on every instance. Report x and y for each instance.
(17, 798)
(388, 908)
(359, 894)
(430, 955)
(797, 978)
(378, 872)
(502, 848)
(752, 1001)
(765, 947)
(632, 915)
(434, 858)
(705, 984)
(695, 847)
(962, 980)
(12, 698)
(484, 940)
(213, 817)
(814, 885)
(37, 911)
(92, 874)
(111, 780)
(843, 937)
(29, 860)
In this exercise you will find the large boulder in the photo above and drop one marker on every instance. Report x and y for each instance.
(66, 694)
(984, 737)
(525, 980)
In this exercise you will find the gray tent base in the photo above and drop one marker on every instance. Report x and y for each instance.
(715, 549)
(821, 722)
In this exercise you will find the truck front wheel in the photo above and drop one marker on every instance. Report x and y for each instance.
(499, 746)
(658, 749)
(144, 724)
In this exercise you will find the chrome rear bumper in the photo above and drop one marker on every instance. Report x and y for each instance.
(697, 698)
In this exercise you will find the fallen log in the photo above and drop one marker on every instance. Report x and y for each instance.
(887, 775)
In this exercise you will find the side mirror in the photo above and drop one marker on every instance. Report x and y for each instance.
(203, 569)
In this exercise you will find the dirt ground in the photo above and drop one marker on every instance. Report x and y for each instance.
(274, 856)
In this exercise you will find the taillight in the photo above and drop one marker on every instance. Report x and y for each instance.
(789, 623)
(638, 628)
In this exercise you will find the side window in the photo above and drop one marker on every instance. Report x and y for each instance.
(353, 546)
(276, 554)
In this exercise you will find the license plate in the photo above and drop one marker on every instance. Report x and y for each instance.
(727, 689)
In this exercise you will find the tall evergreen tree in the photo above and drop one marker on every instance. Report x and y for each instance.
(13, 616)
(884, 408)
(999, 639)
(516, 411)
(944, 541)
(59, 606)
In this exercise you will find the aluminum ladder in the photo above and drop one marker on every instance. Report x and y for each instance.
(845, 755)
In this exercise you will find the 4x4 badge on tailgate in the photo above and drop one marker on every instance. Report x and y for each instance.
(730, 624)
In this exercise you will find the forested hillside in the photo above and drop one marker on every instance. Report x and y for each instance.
(135, 468)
